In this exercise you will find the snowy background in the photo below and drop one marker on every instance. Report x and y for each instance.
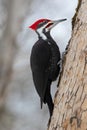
(22, 104)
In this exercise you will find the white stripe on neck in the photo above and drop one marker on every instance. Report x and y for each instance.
(41, 34)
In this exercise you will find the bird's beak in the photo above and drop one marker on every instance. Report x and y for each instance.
(59, 21)
(54, 23)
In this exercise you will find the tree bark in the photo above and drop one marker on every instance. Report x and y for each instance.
(70, 103)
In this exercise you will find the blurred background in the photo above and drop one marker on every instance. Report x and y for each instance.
(19, 102)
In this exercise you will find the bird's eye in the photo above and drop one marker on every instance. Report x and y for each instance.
(42, 24)
(46, 21)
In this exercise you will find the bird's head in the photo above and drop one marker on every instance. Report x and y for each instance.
(45, 24)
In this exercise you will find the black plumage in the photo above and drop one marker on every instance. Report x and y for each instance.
(44, 59)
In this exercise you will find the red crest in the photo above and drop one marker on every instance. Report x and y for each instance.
(34, 25)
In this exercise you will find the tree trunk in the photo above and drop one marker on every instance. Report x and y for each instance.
(70, 110)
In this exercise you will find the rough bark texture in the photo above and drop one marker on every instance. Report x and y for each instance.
(70, 110)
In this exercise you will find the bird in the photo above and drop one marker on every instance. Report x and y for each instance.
(44, 60)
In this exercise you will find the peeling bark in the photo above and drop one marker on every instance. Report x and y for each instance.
(70, 109)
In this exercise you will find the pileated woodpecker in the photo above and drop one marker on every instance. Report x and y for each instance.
(44, 60)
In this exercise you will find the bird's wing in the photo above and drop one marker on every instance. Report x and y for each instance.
(40, 60)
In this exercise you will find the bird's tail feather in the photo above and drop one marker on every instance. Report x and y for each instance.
(41, 103)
